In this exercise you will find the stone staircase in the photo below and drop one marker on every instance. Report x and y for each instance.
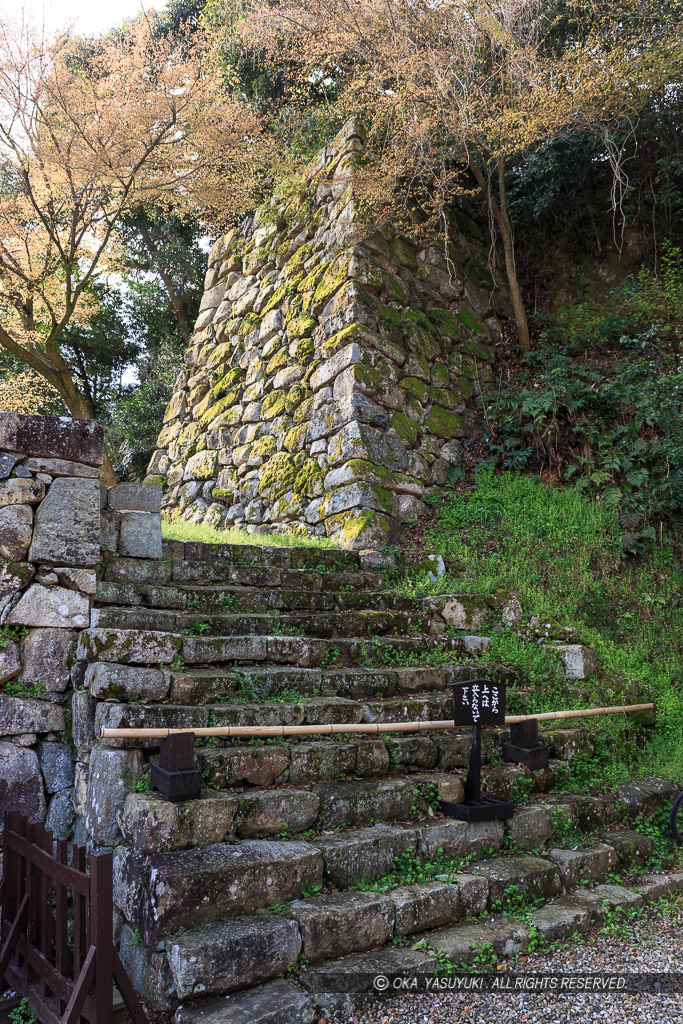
(302, 851)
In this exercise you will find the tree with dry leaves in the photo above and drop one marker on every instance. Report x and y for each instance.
(92, 133)
(452, 90)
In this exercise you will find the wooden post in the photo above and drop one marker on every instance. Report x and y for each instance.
(100, 935)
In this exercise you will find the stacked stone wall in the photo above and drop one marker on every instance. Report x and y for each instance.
(49, 551)
(330, 379)
(59, 527)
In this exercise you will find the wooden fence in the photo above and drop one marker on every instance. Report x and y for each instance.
(57, 921)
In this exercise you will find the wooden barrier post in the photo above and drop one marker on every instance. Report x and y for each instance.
(63, 983)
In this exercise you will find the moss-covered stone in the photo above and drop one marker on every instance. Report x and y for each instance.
(361, 529)
(309, 480)
(219, 407)
(416, 389)
(305, 351)
(301, 326)
(443, 319)
(273, 405)
(469, 319)
(404, 254)
(416, 317)
(405, 427)
(264, 447)
(227, 382)
(477, 350)
(251, 322)
(276, 362)
(295, 439)
(222, 494)
(443, 423)
(334, 277)
(295, 396)
(277, 476)
(296, 262)
(440, 375)
(395, 287)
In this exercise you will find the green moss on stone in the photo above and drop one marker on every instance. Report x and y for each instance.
(470, 319)
(404, 254)
(416, 389)
(227, 382)
(222, 494)
(295, 396)
(395, 287)
(303, 413)
(440, 375)
(309, 480)
(406, 428)
(443, 319)
(415, 316)
(477, 350)
(251, 322)
(443, 423)
(220, 406)
(277, 476)
(301, 326)
(333, 279)
(340, 340)
(295, 439)
(303, 253)
(273, 405)
(278, 361)
(263, 447)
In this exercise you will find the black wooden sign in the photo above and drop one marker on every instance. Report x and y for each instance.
(479, 702)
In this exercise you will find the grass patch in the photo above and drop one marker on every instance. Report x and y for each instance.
(558, 549)
(178, 529)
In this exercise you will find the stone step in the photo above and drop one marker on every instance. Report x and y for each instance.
(316, 653)
(164, 892)
(150, 647)
(277, 1002)
(202, 686)
(274, 556)
(269, 623)
(320, 928)
(555, 920)
(217, 599)
(170, 571)
(153, 825)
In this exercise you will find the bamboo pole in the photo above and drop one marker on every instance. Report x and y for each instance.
(231, 731)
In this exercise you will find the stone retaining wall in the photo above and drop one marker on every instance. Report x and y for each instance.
(330, 379)
(58, 525)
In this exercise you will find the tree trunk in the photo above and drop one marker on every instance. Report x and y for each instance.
(505, 226)
(501, 215)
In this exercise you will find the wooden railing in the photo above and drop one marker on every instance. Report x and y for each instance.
(57, 919)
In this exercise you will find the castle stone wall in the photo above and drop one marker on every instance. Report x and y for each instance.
(329, 382)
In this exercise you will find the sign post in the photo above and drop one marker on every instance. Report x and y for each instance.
(478, 702)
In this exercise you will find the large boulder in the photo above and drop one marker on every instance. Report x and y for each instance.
(67, 525)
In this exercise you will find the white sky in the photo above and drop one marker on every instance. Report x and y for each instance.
(90, 16)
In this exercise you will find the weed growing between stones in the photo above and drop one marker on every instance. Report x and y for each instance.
(559, 550)
(409, 869)
(515, 903)
(565, 832)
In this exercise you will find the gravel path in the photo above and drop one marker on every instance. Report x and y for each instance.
(654, 945)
